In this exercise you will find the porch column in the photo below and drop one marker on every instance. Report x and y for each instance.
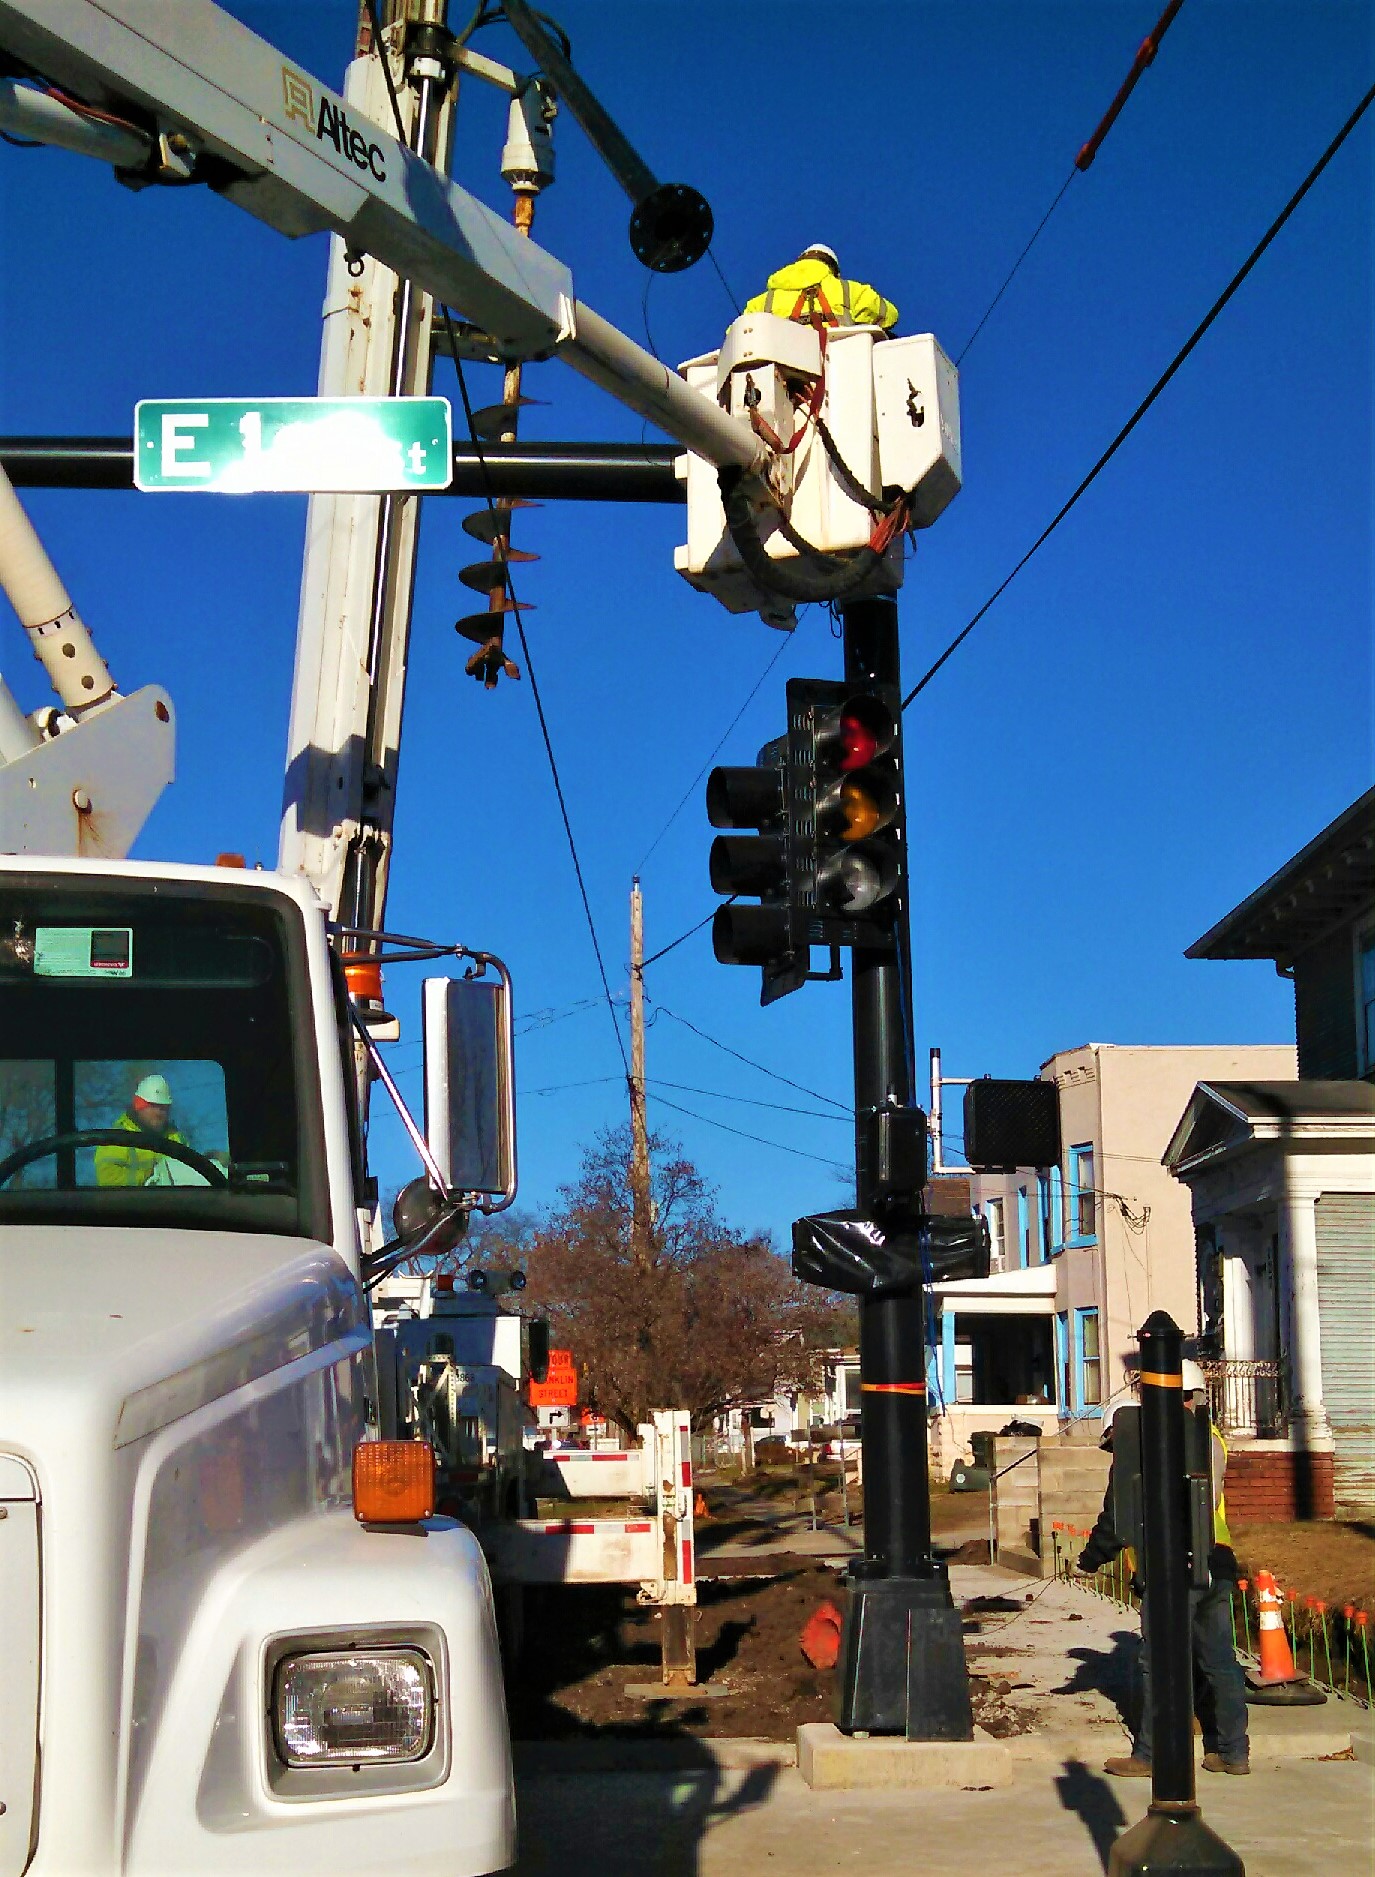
(948, 1356)
(1298, 1236)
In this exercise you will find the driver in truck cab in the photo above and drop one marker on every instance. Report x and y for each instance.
(148, 1120)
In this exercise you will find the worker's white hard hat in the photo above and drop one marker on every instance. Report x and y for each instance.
(155, 1091)
(819, 251)
(1191, 1377)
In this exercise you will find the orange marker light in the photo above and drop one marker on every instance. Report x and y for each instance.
(364, 979)
(393, 1481)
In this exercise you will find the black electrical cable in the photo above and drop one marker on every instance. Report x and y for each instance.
(538, 701)
(1016, 265)
(758, 1139)
(662, 1010)
(747, 1101)
(778, 652)
(1180, 356)
(683, 937)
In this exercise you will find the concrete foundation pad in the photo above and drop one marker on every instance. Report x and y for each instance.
(830, 1761)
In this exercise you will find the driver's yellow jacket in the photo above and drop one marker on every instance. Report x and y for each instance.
(130, 1166)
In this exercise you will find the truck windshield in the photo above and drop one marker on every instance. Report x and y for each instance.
(156, 1058)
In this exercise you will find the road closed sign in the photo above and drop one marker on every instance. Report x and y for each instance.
(559, 1389)
(301, 446)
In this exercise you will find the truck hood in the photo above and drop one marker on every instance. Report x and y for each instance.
(144, 1326)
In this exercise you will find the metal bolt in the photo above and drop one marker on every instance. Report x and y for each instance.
(81, 801)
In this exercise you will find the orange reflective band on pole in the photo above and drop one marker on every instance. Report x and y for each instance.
(1162, 1381)
(892, 1388)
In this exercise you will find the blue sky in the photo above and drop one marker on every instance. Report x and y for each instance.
(1170, 700)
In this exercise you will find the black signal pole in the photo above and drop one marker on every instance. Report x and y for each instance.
(902, 1655)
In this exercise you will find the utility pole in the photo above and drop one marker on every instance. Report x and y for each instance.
(639, 1131)
(902, 1654)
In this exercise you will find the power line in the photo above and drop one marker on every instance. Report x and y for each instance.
(1145, 54)
(662, 1010)
(683, 937)
(688, 791)
(1157, 387)
(758, 1139)
(749, 1101)
(535, 692)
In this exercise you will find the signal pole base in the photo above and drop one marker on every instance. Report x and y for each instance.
(1174, 1840)
(902, 1666)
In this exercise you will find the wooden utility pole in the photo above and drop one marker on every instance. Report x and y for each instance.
(639, 1131)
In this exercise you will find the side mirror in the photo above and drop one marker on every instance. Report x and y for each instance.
(470, 1083)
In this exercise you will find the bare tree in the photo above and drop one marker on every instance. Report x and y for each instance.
(710, 1319)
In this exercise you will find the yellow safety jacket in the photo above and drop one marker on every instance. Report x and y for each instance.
(808, 290)
(1221, 1533)
(130, 1166)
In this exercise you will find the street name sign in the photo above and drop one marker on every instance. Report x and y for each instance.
(242, 446)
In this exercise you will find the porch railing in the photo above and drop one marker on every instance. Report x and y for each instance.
(1247, 1397)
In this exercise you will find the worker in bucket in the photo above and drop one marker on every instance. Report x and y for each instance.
(147, 1120)
(1219, 1685)
(813, 291)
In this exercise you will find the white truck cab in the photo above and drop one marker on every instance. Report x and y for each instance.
(209, 1663)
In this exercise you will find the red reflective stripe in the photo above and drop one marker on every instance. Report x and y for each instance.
(640, 1526)
(687, 1472)
(567, 1526)
(687, 1560)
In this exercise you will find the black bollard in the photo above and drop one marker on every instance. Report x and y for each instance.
(1173, 1836)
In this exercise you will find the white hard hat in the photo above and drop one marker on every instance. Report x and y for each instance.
(154, 1090)
(1192, 1378)
(819, 251)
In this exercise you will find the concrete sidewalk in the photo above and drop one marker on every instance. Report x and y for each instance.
(1061, 1661)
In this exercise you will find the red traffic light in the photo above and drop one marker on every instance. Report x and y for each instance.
(859, 731)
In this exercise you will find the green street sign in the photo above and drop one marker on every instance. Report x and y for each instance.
(241, 446)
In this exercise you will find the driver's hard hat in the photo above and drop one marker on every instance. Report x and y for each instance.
(819, 251)
(1191, 1377)
(155, 1091)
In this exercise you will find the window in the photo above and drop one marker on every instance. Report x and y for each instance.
(105, 997)
(1057, 1212)
(964, 1371)
(993, 1212)
(1042, 1217)
(1023, 1228)
(1063, 1371)
(1090, 1362)
(1082, 1198)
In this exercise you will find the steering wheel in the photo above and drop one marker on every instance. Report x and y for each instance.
(109, 1137)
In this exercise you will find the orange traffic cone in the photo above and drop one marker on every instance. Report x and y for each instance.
(1276, 1657)
(1277, 1680)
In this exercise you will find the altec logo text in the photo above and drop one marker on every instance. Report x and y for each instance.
(330, 125)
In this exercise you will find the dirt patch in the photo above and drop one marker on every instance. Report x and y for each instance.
(1327, 1558)
(585, 1643)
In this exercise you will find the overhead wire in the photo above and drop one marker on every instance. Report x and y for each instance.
(508, 582)
(1146, 52)
(1179, 358)
(724, 738)
(749, 1101)
(662, 1010)
(758, 1139)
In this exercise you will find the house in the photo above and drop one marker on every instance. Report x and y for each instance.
(787, 1415)
(1281, 1180)
(1081, 1252)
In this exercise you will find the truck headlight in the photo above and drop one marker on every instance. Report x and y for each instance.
(353, 1707)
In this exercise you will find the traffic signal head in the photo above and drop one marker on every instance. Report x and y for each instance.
(751, 865)
(846, 768)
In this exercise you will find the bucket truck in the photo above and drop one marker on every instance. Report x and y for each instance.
(236, 1632)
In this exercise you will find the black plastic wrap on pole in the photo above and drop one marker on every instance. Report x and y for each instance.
(845, 1251)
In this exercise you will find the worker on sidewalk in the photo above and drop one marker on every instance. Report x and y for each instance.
(813, 291)
(148, 1120)
(1219, 1685)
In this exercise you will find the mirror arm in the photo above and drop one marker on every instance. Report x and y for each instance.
(382, 1262)
(384, 1076)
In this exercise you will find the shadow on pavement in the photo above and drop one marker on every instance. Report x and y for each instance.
(1089, 1796)
(1111, 1673)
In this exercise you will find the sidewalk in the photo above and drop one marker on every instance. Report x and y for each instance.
(1060, 1660)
